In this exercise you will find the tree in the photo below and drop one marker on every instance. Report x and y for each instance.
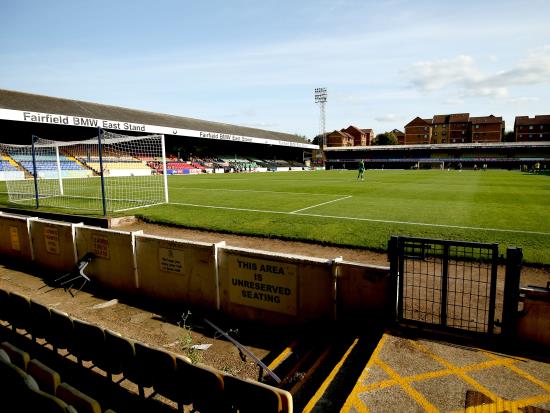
(509, 136)
(317, 140)
(386, 138)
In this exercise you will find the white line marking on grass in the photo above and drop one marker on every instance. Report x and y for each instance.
(324, 203)
(362, 219)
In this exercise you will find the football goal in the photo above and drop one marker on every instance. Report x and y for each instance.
(108, 173)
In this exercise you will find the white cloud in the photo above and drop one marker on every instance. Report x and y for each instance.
(462, 74)
(437, 74)
(390, 117)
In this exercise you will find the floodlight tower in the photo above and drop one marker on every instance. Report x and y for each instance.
(321, 99)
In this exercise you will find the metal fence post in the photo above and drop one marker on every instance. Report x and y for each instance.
(35, 171)
(100, 153)
(514, 258)
(393, 258)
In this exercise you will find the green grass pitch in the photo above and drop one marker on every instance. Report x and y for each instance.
(332, 207)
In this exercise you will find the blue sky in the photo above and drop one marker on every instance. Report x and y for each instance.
(256, 63)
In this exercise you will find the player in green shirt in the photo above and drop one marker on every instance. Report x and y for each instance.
(361, 170)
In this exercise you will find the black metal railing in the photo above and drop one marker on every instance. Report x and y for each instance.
(446, 284)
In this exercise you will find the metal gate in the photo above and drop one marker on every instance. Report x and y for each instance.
(446, 284)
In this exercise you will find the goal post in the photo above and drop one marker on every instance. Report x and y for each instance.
(107, 174)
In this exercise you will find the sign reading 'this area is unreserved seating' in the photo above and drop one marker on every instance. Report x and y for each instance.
(269, 285)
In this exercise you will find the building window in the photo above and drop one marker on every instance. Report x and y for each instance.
(541, 127)
(540, 135)
(530, 136)
(444, 125)
(425, 128)
(477, 126)
(462, 140)
(463, 132)
(530, 127)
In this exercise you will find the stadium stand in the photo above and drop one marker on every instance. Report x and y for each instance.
(47, 166)
(34, 385)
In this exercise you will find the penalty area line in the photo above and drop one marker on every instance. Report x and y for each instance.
(383, 221)
(323, 203)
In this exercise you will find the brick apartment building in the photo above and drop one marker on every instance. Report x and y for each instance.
(351, 136)
(454, 128)
(340, 138)
(361, 137)
(532, 129)
(459, 128)
(487, 129)
(418, 131)
(440, 131)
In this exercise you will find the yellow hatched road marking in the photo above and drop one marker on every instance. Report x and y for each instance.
(416, 395)
(313, 401)
(498, 405)
(457, 371)
(515, 406)
(353, 397)
(509, 363)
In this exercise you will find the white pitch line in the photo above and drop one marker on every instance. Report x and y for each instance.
(363, 219)
(324, 203)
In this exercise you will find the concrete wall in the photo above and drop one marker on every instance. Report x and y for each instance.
(534, 322)
(275, 288)
(14, 236)
(113, 265)
(53, 244)
(364, 292)
(177, 271)
(248, 284)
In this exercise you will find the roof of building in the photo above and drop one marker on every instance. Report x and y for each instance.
(437, 119)
(485, 119)
(14, 100)
(458, 117)
(397, 132)
(418, 121)
(537, 120)
(353, 128)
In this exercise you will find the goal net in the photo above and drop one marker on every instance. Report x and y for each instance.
(110, 173)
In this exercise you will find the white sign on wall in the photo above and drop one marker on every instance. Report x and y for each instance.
(57, 119)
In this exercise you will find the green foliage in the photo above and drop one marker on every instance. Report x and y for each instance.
(386, 138)
(509, 136)
(186, 340)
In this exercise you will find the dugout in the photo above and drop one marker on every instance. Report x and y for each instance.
(23, 115)
(506, 155)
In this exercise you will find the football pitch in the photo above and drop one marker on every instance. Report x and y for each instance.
(332, 207)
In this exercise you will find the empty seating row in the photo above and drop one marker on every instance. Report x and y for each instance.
(7, 166)
(52, 165)
(172, 376)
(31, 386)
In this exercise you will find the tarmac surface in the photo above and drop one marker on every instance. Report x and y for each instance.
(417, 375)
